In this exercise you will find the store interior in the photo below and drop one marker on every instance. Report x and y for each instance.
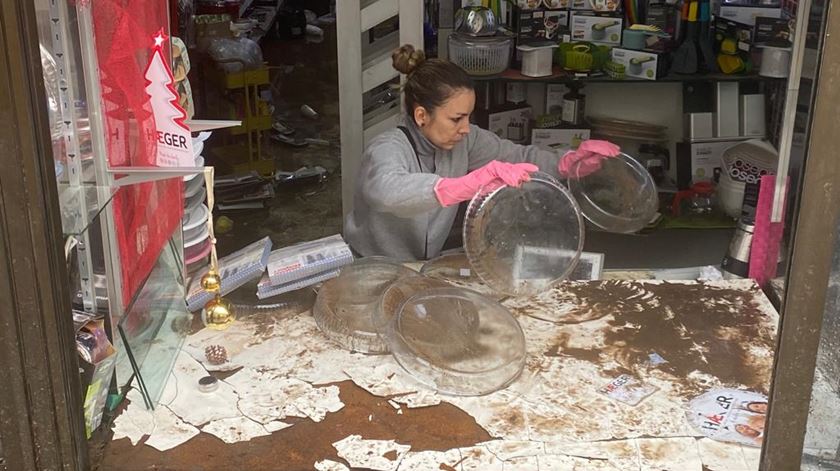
(710, 103)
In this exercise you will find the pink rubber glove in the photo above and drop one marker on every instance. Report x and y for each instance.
(450, 191)
(590, 154)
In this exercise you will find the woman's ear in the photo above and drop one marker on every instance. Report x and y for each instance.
(421, 116)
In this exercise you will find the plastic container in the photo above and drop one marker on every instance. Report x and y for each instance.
(522, 241)
(345, 305)
(457, 342)
(195, 222)
(480, 56)
(620, 197)
(730, 195)
(537, 59)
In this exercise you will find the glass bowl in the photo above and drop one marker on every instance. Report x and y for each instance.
(398, 293)
(458, 342)
(620, 197)
(522, 241)
(456, 270)
(345, 305)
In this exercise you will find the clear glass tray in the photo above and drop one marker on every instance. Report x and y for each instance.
(456, 270)
(345, 305)
(398, 293)
(457, 342)
(522, 241)
(620, 197)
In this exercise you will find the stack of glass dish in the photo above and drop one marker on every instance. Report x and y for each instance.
(445, 325)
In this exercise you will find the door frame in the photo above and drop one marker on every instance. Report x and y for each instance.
(41, 412)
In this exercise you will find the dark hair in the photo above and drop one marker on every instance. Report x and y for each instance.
(429, 82)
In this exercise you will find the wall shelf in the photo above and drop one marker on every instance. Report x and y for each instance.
(560, 75)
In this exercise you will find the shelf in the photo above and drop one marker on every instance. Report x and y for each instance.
(561, 76)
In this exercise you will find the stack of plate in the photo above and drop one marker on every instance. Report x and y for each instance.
(196, 233)
(621, 129)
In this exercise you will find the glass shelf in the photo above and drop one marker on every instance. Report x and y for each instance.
(72, 198)
(155, 325)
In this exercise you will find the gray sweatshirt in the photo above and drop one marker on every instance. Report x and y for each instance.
(395, 210)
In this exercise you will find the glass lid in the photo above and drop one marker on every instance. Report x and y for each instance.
(458, 342)
(344, 306)
(522, 241)
(619, 197)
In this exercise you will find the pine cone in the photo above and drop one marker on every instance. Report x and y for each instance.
(216, 354)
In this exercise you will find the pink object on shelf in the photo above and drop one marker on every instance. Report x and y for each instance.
(194, 254)
(767, 236)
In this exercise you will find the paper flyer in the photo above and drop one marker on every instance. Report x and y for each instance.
(730, 415)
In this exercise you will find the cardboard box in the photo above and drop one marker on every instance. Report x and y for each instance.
(96, 377)
(559, 139)
(745, 15)
(513, 125)
(540, 25)
(646, 65)
(580, 5)
(596, 28)
(698, 161)
(727, 29)
(771, 30)
(554, 97)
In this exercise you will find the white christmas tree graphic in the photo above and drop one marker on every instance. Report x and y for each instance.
(174, 141)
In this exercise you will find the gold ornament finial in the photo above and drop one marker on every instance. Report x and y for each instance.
(218, 313)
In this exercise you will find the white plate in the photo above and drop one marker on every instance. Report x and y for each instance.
(199, 162)
(195, 217)
(198, 239)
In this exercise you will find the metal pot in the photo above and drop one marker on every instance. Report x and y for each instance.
(476, 21)
(736, 263)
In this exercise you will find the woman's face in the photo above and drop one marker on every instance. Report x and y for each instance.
(448, 124)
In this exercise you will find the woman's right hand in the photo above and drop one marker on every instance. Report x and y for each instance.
(451, 191)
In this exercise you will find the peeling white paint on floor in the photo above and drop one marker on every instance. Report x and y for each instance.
(378, 455)
(430, 460)
(552, 417)
(237, 429)
(330, 465)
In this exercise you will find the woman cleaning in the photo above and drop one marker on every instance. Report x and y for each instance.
(413, 177)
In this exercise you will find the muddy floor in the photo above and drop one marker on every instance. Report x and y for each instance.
(299, 447)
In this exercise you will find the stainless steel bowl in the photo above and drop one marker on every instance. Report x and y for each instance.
(476, 21)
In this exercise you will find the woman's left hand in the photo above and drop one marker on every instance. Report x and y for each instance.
(587, 158)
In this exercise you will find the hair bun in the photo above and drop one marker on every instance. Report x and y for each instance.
(406, 59)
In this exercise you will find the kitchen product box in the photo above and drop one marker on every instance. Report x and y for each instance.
(745, 15)
(559, 139)
(727, 29)
(540, 25)
(596, 28)
(554, 98)
(646, 65)
(96, 372)
(580, 5)
(699, 161)
(772, 31)
(514, 125)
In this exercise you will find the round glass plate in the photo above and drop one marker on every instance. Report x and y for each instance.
(456, 270)
(620, 197)
(522, 241)
(398, 293)
(458, 342)
(345, 305)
